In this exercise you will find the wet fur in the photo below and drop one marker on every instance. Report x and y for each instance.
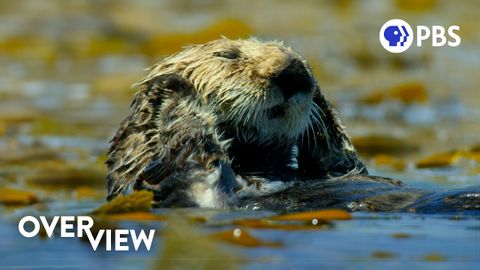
(199, 133)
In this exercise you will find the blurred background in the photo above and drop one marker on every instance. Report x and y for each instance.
(67, 67)
(66, 70)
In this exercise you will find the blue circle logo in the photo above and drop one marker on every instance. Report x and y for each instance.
(396, 36)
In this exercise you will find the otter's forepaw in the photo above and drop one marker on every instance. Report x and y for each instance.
(253, 186)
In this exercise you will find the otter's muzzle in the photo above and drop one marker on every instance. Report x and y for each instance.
(294, 79)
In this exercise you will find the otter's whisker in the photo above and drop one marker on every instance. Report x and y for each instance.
(319, 122)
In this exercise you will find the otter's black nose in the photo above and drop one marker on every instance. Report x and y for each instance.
(293, 79)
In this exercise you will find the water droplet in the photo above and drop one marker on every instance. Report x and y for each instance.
(237, 233)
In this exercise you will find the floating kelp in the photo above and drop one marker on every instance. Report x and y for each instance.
(389, 161)
(400, 235)
(439, 160)
(97, 46)
(50, 126)
(242, 237)
(382, 255)
(20, 47)
(66, 178)
(408, 93)
(309, 220)
(86, 192)
(325, 215)
(281, 225)
(378, 144)
(167, 44)
(433, 257)
(135, 216)
(449, 158)
(16, 197)
(28, 156)
(134, 202)
(185, 247)
(116, 84)
(416, 5)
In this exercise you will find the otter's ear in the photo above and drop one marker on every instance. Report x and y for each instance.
(326, 149)
(167, 85)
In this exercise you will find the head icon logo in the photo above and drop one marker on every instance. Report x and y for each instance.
(396, 36)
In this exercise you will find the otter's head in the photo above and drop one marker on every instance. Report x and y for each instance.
(260, 89)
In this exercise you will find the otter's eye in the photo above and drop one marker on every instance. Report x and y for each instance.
(227, 54)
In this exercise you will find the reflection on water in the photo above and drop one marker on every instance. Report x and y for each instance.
(65, 75)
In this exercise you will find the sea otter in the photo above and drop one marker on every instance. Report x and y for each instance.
(240, 124)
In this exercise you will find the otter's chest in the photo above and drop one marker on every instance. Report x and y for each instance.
(266, 160)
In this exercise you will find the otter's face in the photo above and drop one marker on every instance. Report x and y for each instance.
(263, 90)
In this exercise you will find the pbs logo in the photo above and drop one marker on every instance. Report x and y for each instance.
(397, 35)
